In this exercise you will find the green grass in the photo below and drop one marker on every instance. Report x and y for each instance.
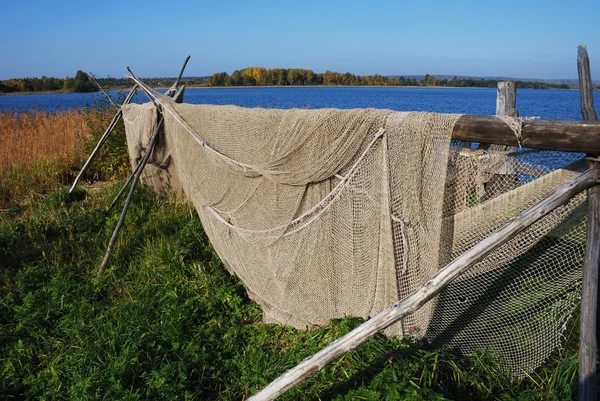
(167, 321)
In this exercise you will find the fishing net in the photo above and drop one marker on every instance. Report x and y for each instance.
(330, 213)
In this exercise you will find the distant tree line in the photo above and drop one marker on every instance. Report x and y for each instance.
(259, 76)
(80, 83)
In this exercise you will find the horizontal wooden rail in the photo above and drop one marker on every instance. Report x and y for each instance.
(564, 136)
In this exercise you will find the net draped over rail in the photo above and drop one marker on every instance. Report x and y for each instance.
(330, 213)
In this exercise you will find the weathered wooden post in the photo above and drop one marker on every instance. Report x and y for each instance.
(506, 100)
(505, 177)
(589, 291)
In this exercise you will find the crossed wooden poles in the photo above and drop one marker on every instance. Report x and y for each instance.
(176, 93)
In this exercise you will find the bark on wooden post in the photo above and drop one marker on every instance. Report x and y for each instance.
(506, 100)
(563, 136)
(589, 291)
(585, 84)
(505, 177)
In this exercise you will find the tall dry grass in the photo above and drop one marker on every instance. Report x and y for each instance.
(39, 151)
(27, 138)
(42, 151)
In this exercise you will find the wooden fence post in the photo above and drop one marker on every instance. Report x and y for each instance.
(589, 290)
(506, 100)
(506, 174)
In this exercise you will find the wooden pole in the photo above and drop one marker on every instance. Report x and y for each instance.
(144, 89)
(178, 97)
(136, 178)
(506, 100)
(431, 288)
(116, 199)
(137, 172)
(93, 78)
(562, 136)
(589, 291)
(586, 92)
(505, 177)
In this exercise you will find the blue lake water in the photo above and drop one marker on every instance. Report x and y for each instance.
(547, 104)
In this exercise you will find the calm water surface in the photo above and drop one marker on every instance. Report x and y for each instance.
(547, 104)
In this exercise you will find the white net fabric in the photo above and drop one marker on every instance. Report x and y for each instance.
(330, 213)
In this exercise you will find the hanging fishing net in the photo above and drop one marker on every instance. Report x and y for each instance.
(330, 213)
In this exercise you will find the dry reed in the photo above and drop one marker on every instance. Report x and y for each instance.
(38, 151)
(29, 137)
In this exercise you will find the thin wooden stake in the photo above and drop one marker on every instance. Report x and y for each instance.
(143, 88)
(589, 291)
(103, 138)
(93, 78)
(116, 199)
(589, 301)
(136, 178)
(431, 288)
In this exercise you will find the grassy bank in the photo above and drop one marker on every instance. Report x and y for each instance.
(167, 321)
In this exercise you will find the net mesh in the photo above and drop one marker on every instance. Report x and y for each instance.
(331, 213)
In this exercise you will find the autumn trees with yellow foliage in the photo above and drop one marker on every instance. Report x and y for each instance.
(260, 76)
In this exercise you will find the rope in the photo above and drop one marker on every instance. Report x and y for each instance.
(516, 125)
(404, 245)
(134, 120)
(185, 126)
(168, 107)
(317, 210)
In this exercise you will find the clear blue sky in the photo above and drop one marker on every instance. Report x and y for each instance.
(477, 38)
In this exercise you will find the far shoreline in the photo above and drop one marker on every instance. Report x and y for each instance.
(363, 86)
(283, 86)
